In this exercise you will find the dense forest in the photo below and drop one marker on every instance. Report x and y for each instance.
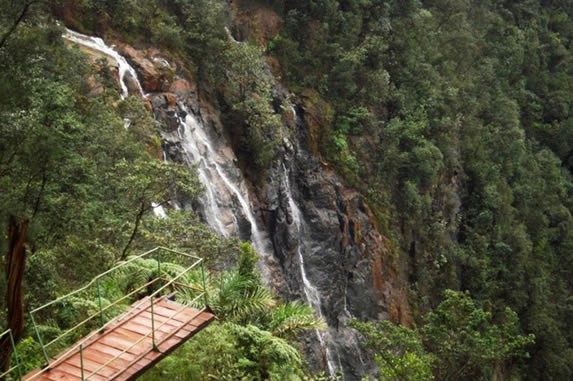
(452, 119)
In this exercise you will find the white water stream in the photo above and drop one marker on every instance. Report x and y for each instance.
(225, 190)
(221, 191)
(123, 68)
(97, 44)
(223, 184)
(310, 291)
(158, 210)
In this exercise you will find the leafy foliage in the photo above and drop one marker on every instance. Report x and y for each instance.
(254, 337)
(467, 155)
(465, 341)
(289, 319)
(457, 341)
(398, 351)
(452, 116)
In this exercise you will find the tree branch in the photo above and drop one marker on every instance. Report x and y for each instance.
(17, 22)
(138, 218)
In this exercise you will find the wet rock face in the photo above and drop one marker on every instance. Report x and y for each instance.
(156, 73)
(334, 261)
(166, 109)
(344, 254)
(192, 133)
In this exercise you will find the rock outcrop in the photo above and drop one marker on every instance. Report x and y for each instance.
(346, 258)
(258, 23)
(155, 72)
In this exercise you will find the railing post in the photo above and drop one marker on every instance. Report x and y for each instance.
(155, 349)
(159, 266)
(82, 360)
(39, 339)
(205, 296)
(101, 320)
(15, 355)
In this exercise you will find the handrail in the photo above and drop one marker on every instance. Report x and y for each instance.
(123, 263)
(169, 283)
(104, 309)
(177, 312)
(101, 310)
(17, 366)
(56, 361)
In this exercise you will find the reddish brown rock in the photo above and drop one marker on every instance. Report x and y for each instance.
(95, 86)
(181, 87)
(259, 23)
(131, 84)
(154, 71)
(171, 100)
(148, 105)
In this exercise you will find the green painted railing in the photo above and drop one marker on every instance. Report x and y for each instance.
(16, 360)
(165, 284)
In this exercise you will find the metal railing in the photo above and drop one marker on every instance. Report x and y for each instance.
(167, 283)
(14, 355)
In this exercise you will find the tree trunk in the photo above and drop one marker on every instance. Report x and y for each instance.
(17, 21)
(142, 210)
(15, 261)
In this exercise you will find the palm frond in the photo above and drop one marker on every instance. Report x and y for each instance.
(136, 273)
(289, 319)
(239, 297)
(269, 347)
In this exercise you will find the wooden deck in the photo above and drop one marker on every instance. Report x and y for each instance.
(114, 354)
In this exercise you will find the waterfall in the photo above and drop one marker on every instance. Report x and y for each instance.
(301, 230)
(222, 191)
(124, 69)
(225, 204)
(310, 291)
(97, 44)
(226, 197)
(158, 210)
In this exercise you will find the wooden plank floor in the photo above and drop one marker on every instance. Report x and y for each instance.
(114, 354)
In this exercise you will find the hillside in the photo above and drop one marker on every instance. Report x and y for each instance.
(401, 169)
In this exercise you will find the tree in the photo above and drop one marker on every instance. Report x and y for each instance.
(398, 351)
(248, 91)
(457, 341)
(14, 16)
(254, 336)
(151, 181)
(466, 342)
(15, 263)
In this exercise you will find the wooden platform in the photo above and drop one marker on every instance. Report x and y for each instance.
(112, 355)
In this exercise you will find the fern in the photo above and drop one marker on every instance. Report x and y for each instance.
(287, 320)
(239, 297)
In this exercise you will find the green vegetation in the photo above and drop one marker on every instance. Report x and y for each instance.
(458, 341)
(253, 338)
(453, 117)
(86, 185)
(398, 351)
(195, 31)
(471, 172)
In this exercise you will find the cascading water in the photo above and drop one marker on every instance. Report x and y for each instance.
(226, 198)
(225, 204)
(97, 44)
(158, 210)
(221, 190)
(124, 69)
(310, 291)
